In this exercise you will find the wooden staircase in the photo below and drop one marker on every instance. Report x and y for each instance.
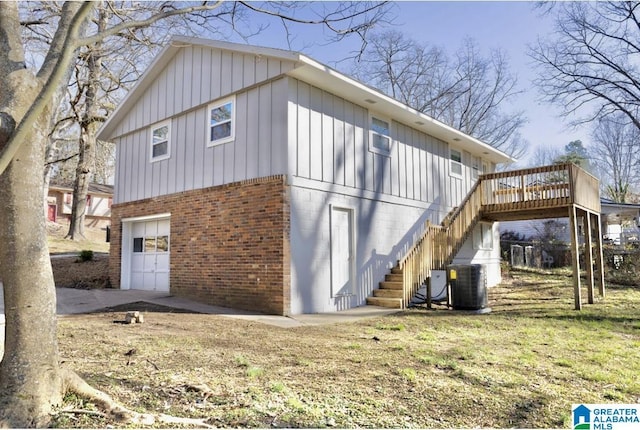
(555, 191)
(390, 292)
(437, 246)
(542, 192)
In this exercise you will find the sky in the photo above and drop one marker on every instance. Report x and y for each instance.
(510, 26)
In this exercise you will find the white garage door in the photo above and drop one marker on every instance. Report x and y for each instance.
(150, 255)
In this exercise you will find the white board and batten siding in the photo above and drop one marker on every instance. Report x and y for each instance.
(196, 76)
(388, 197)
(328, 143)
(327, 135)
(260, 142)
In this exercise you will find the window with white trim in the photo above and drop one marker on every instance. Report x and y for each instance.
(456, 162)
(380, 136)
(222, 122)
(475, 168)
(161, 141)
(483, 236)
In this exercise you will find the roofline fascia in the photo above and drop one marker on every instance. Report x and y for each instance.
(399, 105)
(162, 58)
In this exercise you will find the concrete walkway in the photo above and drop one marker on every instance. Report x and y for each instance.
(76, 301)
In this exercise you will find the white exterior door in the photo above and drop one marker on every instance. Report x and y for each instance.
(341, 252)
(150, 255)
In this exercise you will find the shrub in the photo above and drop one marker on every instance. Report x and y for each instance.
(622, 265)
(86, 255)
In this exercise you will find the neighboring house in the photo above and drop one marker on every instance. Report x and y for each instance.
(99, 200)
(619, 223)
(260, 179)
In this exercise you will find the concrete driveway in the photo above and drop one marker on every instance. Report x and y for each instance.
(76, 301)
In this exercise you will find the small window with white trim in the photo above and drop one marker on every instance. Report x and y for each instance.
(161, 141)
(456, 162)
(380, 136)
(221, 122)
(476, 168)
(483, 236)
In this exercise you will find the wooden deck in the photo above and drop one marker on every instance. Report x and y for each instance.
(542, 192)
(557, 191)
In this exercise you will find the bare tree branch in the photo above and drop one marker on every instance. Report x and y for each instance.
(591, 68)
(56, 70)
(468, 92)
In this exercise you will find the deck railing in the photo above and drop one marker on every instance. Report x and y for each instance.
(540, 187)
(518, 190)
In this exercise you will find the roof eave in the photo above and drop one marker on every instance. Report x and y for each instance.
(322, 76)
(319, 75)
(164, 57)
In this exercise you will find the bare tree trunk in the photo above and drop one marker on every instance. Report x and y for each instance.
(81, 186)
(30, 381)
(46, 176)
(88, 129)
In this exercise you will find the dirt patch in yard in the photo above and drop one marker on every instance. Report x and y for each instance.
(70, 272)
(145, 307)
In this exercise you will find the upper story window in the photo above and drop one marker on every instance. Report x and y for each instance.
(380, 136)
(221, 126)
(456, 162)
(160, 141)
(476, 168)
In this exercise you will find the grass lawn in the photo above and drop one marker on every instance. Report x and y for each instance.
(522, 365)
(94, 239)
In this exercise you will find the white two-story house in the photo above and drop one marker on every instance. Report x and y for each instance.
(261, 179)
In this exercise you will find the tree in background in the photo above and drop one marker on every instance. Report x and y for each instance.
(616, 154)
(590, 66)
(32, 379)
(576, 153)
(104, 73)
(544, 156)
(467, 91)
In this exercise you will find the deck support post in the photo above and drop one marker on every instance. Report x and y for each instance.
(575, 257)
(588, 254)
(597, 224)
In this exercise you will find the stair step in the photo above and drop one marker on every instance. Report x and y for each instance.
(385, 302)
(391, 285)
(391, 294)
(393, 277)
(396, 271)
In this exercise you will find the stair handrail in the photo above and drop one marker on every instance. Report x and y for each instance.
(439, 243)
(499, 191)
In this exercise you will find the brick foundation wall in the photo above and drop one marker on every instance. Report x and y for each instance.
(229, 244)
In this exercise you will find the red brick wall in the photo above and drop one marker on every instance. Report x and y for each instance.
(229, 244)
